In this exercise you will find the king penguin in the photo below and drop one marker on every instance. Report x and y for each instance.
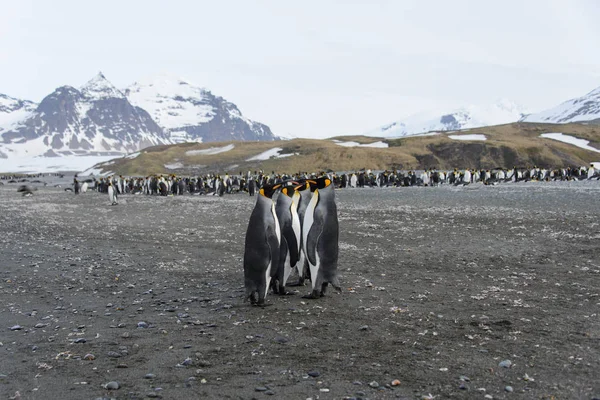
(262, 248)
(320, 235)
(289, 223)
(112, 194)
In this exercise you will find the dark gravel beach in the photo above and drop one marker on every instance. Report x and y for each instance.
(477, 292)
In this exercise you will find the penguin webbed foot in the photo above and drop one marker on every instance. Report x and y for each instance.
(315, 294)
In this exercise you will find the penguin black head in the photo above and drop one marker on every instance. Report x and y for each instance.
(320, 183)
(269, 190)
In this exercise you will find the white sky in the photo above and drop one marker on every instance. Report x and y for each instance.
(312, 68)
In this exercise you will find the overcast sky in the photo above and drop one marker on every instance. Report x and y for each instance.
(312, 68)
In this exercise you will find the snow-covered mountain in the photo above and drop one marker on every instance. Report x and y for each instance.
(96, 119)
(502, 112)
(581, 109)
(190, 113)
(12, 111)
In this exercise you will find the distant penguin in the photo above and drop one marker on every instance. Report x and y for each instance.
(289, 223)
(251, 187)
(76, 184)
(162, 188)
(320, 235)
(26, 190)
(112, 195)
(262, 247)
(353, 180)
(84, 187)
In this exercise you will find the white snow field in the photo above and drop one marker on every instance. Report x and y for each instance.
(468, 137)
(561, 137)
(380, 144)
(210, 151)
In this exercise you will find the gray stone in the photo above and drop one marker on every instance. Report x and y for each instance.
(112, 385)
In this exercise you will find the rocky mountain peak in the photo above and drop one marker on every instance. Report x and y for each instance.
(99, 88)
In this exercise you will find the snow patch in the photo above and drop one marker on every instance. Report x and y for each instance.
(176, 165)
(133, 155)
(265, 155)
(210, 151)
(581, 143)
(468, 137)
(380, 145)
(33, 165)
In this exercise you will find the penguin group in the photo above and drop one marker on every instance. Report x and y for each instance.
(297, 232)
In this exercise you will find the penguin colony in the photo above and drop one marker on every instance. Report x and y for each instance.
(280, 239)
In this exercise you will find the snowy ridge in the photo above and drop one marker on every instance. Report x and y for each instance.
(96, 120)
(172, 102)
(99, 88)
(13, 111)
(502, 112)
(190, 113)
(581, 109)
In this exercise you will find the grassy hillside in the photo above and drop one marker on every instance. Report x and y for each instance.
(508, 145)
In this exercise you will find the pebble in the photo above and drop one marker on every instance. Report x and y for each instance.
(509, 389)
(374, 384)
(396, 382)
(204, 363)
(142, 324)
(89, 357)
(324, 390)
(464, 378)
(126, 335)
(314, 374)
(505, 364)
(153, 395)
(270, 392)
(357, 383)
(2, 376)
(281, 339)
(40, 325)
(16, 328)
(149, 376)
(488, 396)
(113, 354)
(260, 389)
(112, 385)
(462, 386)
(80, 340)
(364, 328)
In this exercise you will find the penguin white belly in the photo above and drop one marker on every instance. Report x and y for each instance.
(287, 268)
(308, 223)
(278, 234)
(314, 270)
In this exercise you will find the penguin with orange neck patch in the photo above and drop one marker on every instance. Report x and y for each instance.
(320, 237)
(262, 247)
(286, 209)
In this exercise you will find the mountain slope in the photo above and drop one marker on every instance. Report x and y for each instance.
(189, 113)
(97, 119)
(502, 112)
(582, 109)
(12, 111)
(517, 144)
